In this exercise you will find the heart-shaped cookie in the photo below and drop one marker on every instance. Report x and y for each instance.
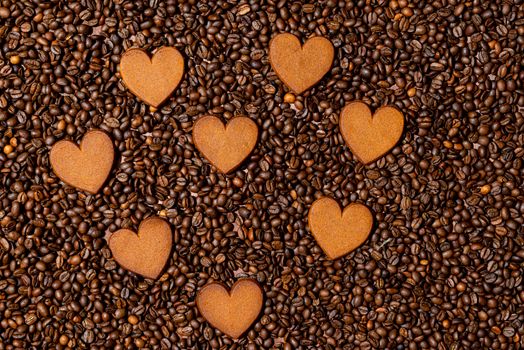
(297, 66)
(231, 312)
(370, 136)
(144, 253)
(225, 146)
(152, 80)
(339, 232)
(85, 167)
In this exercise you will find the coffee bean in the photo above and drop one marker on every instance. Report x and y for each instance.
(441, 269)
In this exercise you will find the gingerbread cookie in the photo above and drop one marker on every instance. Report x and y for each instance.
(152, 80)
(300, 66)
(145, 253)
(370, 136)
(225, 146)
(339, 232)
(85, 167)
(231, 312)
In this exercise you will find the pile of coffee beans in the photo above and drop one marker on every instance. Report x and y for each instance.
(444, 266)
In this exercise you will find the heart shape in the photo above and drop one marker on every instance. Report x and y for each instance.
(225, 146)
(144, 253)
(300, 67)
(85, 167)
(152, 80)
(339, 232)
(231, 312)
(370, 136)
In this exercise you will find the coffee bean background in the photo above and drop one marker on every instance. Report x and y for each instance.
(443, 268)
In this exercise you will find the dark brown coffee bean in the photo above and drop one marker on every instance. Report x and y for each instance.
(442, 267)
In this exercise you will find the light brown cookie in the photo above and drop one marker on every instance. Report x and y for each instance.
(144, 253)
(297, 66)
(152, 80)
(339, 232)
(225, 146)
(370, 136)
(85, 167)
(231, 312)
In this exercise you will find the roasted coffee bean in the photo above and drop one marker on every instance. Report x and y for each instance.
(443, 267)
